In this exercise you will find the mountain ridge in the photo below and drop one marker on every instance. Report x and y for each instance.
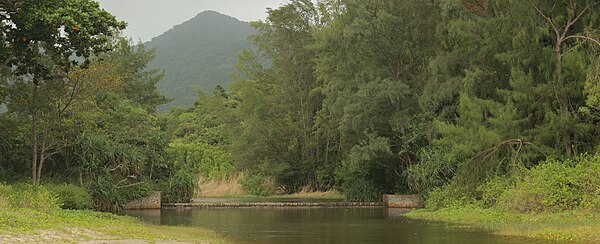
(198, 54)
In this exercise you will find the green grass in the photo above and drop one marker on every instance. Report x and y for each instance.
(88, 225)
(581, 225)
(32, 214)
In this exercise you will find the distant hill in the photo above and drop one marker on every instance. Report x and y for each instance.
(200, 53)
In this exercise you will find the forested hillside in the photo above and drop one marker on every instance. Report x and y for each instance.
(198, 54)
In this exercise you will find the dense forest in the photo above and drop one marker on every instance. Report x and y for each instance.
(452, 99)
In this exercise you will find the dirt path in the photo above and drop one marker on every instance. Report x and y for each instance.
(74, 235)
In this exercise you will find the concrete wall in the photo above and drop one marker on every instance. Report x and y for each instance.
(402, 201)
(153, 201)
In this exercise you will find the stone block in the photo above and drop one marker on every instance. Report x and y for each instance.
(153, 201)
(402, 201)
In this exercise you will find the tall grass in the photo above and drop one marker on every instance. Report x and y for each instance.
(220, 187)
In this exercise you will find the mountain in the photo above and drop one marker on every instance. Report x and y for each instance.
(198, 54)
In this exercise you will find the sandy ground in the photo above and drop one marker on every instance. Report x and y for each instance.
(73, 235)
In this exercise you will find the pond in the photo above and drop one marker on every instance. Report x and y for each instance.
(319, 225)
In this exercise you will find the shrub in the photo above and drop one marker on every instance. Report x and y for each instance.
(364, 175)
(258, 185)
(70, 196)
(209, 161)
(432, 170)
(448, 196)
(179, 187)
(360, 190)
(29, 196)
(550, 186)
(109, 194)
(547, 186)
(587, 180)
(493, 189)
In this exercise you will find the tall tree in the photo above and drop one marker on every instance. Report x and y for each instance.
(573, 25)
(372, 61)
(522, 92)
(40, 41)
(288, 86)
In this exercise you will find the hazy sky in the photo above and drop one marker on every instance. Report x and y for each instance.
(150, 18)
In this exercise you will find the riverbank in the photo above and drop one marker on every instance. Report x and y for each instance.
(579, 226)
(32, 214)
(25, 225)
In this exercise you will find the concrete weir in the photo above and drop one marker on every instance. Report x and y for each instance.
(275, 205)
(389, 201)
(402, 201)
(153, 201)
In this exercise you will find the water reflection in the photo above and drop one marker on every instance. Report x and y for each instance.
(396, 213)
(319, 225)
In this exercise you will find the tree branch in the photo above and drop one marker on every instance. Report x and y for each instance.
(548, 19)
(6, 62)
(596, 41)
(572, 20)
(130, 185)
(588, 7)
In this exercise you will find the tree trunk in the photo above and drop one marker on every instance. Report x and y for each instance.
(42, 155)
(34, 138)
(563, 100)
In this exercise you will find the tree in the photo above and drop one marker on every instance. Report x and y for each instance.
(279, 103)
(572, 25)
(372, 60)
(520, 84)
(40, 39)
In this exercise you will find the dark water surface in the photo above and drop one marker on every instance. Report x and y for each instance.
(319, 225)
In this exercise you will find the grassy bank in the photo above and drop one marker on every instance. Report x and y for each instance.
(580, 226)
(554, 200)
(28, 225)
(32, 214)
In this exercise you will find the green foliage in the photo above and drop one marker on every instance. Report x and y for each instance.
(28, 196)
(13, 147)
(448, 196)
(364, 176)
(208, 161)
(120, 145)
(493, 189)
(48, 23)
(462, 103)
(556, 186)
(359, 189)
(45, 40)
(180, 186)
(257, 185)
(70, 196)
(547, 187)
(109, 194)
(552, 186)
(433, 170)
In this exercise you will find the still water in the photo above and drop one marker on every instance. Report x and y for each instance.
(319, 225)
